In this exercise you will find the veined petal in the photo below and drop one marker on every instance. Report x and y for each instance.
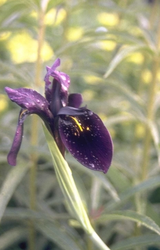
(17, 138)
(87, 139)
(31, 100)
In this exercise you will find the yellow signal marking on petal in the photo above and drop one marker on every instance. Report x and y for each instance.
(77, 122)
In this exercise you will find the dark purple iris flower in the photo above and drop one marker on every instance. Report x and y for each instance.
(74, 128)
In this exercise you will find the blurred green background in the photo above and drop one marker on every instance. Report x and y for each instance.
(111, 51)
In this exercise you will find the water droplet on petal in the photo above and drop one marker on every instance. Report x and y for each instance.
(92, 165)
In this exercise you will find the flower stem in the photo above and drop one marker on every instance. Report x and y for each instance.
(41, 32)
(32, 180)
(98, 242)
(71, 194)
(140, 199)
(150, 115)
(150, 107)
(34, 129)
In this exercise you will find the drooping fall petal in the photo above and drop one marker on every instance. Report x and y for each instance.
(32, 103)
(17, 138)
(87, 139)
(31, 100)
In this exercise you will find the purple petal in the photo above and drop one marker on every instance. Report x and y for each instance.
(87, 139)
(72, 111)
(31, 100)
(75, 100)
(17, 138)
(50, 70)
(59, 77)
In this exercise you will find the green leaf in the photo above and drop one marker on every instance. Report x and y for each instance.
(138, 241)
(58, 235)
(143, 186)
(133, 216)
(137, 104)
(155, 134)
(123, 53)
(24, 214)
(100, 176)
(149, 36)
(69, 189)
(67, 184)
(12, 236)
(14, 177)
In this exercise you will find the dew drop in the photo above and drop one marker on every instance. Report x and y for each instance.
(90, 112)
(92, 165)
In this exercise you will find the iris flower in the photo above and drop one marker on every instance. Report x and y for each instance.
(74, 128)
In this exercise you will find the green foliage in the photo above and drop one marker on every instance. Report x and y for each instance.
(111, 50)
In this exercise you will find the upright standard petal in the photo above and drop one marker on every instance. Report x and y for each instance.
(61, 77)
(87, 139)
(50, 70)
(17, 138)
(58, 77)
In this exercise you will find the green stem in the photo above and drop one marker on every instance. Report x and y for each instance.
(150, 116)
(34, 141)
(41, 32)
(150, 108)
(34, 124)
(34, 131)
(139, 200)
(153, 12)
(71, 194)
(98, 242)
